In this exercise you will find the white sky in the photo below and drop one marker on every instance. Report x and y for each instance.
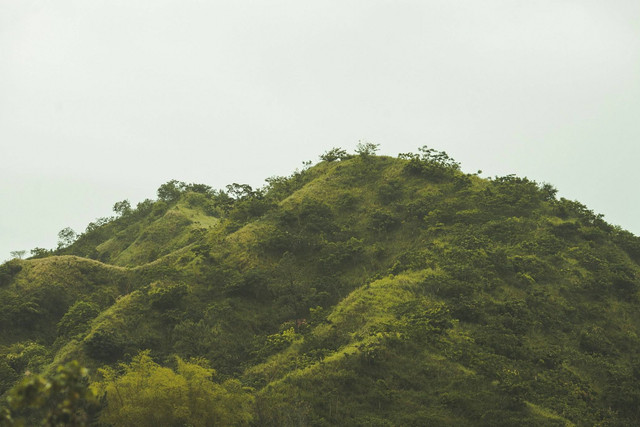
(102, 100)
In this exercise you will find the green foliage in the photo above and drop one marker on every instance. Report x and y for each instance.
(420, 319)
(382, 222)
(281, 187)
(8, 375)
(40, 252)
(390, 191)
(193, 339)
(200, 201)
(8, 270)
(62, 399)
(170, 191)
(104, 345)
(248, 204)
(334, 154)
(30, 311)
(147, 394)
(18, 254)
(276, 342)
(22, 357)
(76, 320)
(431, 163)
(363, 290)
(628, 242)
(93, 230)
(164, 296)
(366, 149)
(66, 237)
(240, 191)
(122, 208)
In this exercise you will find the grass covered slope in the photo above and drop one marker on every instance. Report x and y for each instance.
(365, 290)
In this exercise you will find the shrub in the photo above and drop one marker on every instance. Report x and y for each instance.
(104, 345)
(27, 355)
(167, 296)
(63, 399)
(8, 270)
(76, 319)
(334, 154)
(431, 163)
(147, 394)
(382, 222)
(594, 340)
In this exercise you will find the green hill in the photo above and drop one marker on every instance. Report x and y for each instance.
(364, 290)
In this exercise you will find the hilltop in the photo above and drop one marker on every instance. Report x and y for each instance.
(363, 290)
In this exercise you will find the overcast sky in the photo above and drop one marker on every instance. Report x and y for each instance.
(105, 100)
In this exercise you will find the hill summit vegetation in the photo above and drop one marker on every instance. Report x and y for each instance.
(364, 290)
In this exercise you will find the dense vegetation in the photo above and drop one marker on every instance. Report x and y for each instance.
(364, 290)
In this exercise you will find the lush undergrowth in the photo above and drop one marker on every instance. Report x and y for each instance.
(365, 290)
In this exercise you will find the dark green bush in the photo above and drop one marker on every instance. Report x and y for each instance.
(104, 345)
(76, 319)
(8, 270)
(165, 296)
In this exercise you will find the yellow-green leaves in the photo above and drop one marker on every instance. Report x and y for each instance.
(63, 399)
(147, 394)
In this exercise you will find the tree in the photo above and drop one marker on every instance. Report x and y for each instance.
(104, 345)
(64, 399)
(8, 270)
(239, 191)
(77, 318)
(39, 252)
(334, 154)
(199, 188)
(66, 237)
(122, 208)
(165, 296)
(438, 158)
(18, 254)
(432, 164)
(170, 191)
(99, 222)
(366, 149)
(147, 394)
